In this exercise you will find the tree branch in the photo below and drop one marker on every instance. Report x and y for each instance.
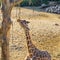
(12, 4)
(16, 2)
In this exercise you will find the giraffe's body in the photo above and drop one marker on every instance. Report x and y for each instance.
(34, 53)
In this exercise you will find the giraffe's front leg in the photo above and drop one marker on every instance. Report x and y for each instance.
(28, 58)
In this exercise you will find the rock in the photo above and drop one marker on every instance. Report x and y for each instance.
(51, 3)
(53, 9)
(44, 6)
(18, 48)
(56, 24)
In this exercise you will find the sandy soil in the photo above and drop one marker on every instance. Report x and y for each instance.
(44, 31)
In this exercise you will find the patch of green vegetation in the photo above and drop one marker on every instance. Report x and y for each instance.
(36, 2)
(24, 3)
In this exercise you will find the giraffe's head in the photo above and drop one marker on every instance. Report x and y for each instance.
(23, 23)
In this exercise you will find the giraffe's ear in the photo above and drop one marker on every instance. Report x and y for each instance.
(26, 21)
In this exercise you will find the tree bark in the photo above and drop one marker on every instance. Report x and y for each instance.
(6, 24)
(5, 30)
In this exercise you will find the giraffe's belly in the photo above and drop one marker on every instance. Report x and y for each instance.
(41, 58)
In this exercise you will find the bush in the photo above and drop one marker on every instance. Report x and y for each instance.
(35, 2)
(45, 1)
(24, 3)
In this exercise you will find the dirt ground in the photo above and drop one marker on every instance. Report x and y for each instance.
(44, 32)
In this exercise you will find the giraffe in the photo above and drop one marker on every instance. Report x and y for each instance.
(34, 53)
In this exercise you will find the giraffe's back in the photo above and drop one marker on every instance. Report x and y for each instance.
(41, 55)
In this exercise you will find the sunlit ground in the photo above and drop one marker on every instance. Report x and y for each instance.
(44, 31)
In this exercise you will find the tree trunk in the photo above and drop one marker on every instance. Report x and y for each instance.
(5, 44)
(6, 23)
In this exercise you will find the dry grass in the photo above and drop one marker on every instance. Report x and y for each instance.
(44, 31)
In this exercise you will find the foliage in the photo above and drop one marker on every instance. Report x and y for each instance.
(36, 2)
(44, 1)
(24, 3)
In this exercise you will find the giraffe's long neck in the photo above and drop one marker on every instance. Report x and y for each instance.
(29, 43)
